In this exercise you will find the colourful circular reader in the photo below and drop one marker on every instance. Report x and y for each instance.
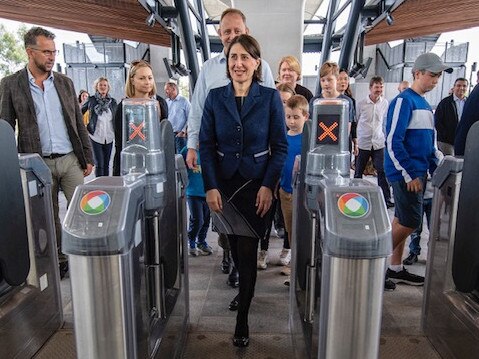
(353, 205)
(95, 202)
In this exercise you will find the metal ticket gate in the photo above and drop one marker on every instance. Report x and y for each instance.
(341, 239)
(451, 296)
(30, 301)
(125, 237)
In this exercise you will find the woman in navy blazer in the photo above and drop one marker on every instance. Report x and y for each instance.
(243, 148)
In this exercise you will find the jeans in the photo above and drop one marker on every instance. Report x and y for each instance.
(378, 162)
(199, 220)
(180, 142)
(102, 154)
(414, 246)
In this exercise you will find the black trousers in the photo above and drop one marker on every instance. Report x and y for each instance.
(244, 252)
(378, 163)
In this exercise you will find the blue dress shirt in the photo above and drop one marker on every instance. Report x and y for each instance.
(51, 124)
(178, 111)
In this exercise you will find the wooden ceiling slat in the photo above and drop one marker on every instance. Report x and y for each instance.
(414, 18)
(122, 19)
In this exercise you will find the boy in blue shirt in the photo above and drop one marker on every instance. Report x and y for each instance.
(296, 111)
(199, 211)
(411, 153)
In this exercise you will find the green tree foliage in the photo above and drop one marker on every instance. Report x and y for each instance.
(12, 52)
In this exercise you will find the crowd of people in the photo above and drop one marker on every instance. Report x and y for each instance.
(239, 137)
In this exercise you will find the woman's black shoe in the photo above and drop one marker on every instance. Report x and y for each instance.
(225, 266)
(234, 304)
(240, 341)
(233, 278)
(225, 263)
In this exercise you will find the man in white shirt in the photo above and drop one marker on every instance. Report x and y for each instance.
(213, 75)
(371, 113)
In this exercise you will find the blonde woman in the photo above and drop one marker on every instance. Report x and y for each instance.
(101, 108)
(139, 84)
(289, 72)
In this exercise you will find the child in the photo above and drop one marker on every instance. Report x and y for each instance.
(297, 114)
(199, 211)
(328, 77)
(285, 92)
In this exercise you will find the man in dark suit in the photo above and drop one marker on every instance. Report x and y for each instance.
(43, 105)
(447, 116)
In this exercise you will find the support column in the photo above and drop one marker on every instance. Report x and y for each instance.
(188, 40)
(351, 35)
(328, 32)
(279, 30)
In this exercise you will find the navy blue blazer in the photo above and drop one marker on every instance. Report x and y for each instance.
(470, 115)
(253, 143)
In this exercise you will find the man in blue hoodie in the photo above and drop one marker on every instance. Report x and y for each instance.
(411, 153)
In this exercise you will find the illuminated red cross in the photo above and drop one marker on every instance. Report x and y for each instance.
(137, 131)
(328, 131)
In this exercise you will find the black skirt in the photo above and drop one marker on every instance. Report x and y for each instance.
(239, 211)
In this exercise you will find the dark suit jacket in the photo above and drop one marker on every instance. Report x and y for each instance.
(253, 143)
(470, 115)
(446, 120)
(16, 105)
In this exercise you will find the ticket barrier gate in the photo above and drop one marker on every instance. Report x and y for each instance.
(451, 296)
(341, 240)
(125, 237)
(30, 301)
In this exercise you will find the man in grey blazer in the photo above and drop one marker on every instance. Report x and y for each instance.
(43, 105)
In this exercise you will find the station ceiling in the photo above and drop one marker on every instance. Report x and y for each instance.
(415, 18)
(125, 19)
(120, 19)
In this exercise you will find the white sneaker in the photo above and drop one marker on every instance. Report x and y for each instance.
(262, 259)
(285, 257)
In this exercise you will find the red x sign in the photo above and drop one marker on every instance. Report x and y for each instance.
(328, 131)
(137, 131)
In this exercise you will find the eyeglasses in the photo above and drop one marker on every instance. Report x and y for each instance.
(47, 52)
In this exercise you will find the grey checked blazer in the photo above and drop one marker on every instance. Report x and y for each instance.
(16, 105)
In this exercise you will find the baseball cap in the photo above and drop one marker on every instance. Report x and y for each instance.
(430, 62)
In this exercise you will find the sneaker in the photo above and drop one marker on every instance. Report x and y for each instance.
(279, 232)
(405, 277)
(204, 249)
(285, 257)
(286, 271)
(193, 252)
(389, 285)
(410, 260)
(262, 258)
(287, 281)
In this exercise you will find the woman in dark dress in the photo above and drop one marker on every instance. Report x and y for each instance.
(243, 148)
(344, 88)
